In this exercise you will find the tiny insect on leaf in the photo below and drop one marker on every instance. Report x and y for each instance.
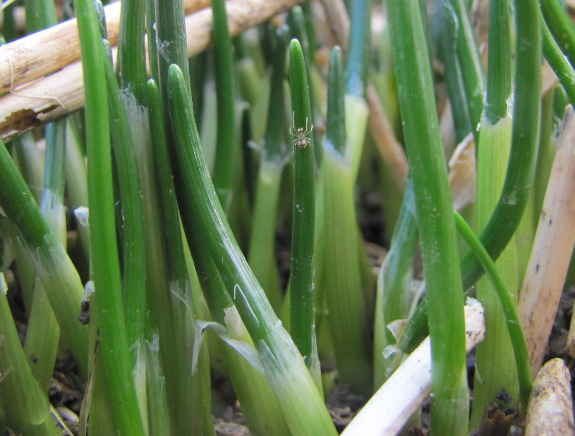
(300, 134)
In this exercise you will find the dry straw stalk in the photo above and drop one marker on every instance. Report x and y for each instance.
(551, 252)
(405, 390)
(34, 97)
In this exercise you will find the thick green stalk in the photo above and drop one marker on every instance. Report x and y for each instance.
(252, 389)
(129, 127)
(6, 242)
(9, 26)
(77, 180)
(104, 249)
(158, 299)
(50, 260)
(131, 207)
(297, 27)
(309, 21)
(30, 162)
(356, 74)
(250, 84)
(561, 66)
(434, 212)
(24, 403)
(285, 370)
(158, 414)
(261, 255)
(131, 45)
(99, 417)
(499, 61)
(169, 46)
(520, 171)
(198, 75)
(274, 139)
(453, 76)
(166, 18)
(524, 141)
(303, 213)
(298, 30)
(152, 38)
(469, 62)
(341, 272)
(43, 331)
(39, 15)
(392, 301)
(359, 46)
(561, 27)
(547, 150)
(224, 72)
(274, 156)
(496, 370)
(52, 199)
(171, 293)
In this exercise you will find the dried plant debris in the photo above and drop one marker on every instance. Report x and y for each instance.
(550, 407)
(497, 421)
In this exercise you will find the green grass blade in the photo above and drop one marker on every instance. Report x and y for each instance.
(274, 156)
(519, 175)
(496, 370)
(499, 60)
(301, 267)
(356, 74)
(131, 209)
(39, 15)
(29, 162)
(359, 45)
(284, 368)
(509, 307)
(258, 402)
(298, 30)
(392, 301)
(261, 255)
(104, 251)
(453, 75)
(224, 72)
(437, 228)
(43, 331)
(173, 306)
(524, 141)
(561, 66)
(131, 48)
(25, 404)
(170, 42)
(309, 23)
(340, 244)
(469, 62)
(561, 27)
(51, 262)
(77, 182)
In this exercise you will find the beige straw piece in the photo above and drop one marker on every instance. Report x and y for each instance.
(45, 52)
(550, 411)
(551, 252)
(393, 404)
(51, 97)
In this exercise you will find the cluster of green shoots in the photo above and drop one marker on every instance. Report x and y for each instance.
(174, 270)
